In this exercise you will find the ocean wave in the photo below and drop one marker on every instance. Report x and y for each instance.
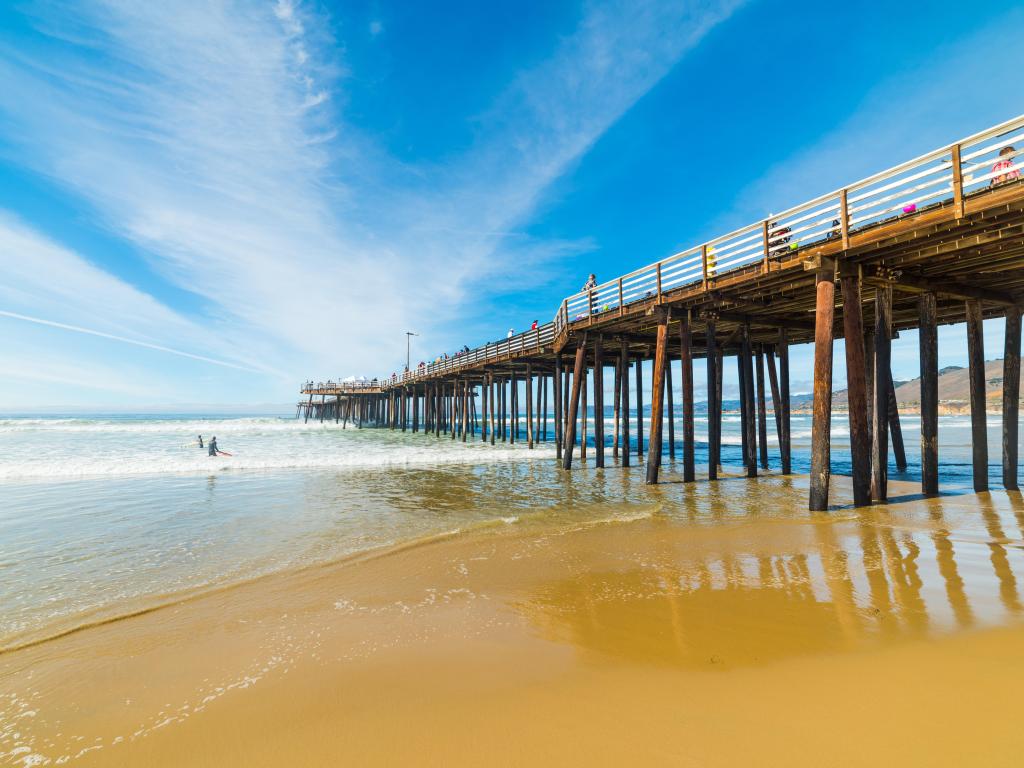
(163, 464)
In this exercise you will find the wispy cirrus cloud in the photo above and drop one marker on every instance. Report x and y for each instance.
(212, 137)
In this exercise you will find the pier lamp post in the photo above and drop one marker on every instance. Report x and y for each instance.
(408, 340)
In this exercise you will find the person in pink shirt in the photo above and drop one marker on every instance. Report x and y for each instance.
(1009, 173)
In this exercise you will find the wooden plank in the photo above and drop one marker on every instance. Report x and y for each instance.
(857, 390)
(598, 401)
(1011, 397)
(928, 344)
(821, 420)
(686, 386)
(976, 373)
(657, 400)
(574, 402)
(880, 413)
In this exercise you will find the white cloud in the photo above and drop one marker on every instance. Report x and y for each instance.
(208, 136)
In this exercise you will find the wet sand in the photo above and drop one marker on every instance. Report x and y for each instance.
(723, 625)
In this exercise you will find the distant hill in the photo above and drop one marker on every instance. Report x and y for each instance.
(954, 390)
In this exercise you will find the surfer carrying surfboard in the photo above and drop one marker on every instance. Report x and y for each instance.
(214, 450)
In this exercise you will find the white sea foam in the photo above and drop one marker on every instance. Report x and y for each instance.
(73, 448)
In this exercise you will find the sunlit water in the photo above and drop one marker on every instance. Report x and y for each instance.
(104, 516)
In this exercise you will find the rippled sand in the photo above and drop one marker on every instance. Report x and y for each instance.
(719, 624)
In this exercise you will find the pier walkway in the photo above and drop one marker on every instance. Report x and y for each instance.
(936, 240)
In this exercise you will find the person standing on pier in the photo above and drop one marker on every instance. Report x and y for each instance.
(511, 333)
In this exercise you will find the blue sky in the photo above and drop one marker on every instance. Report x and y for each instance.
(210, 202)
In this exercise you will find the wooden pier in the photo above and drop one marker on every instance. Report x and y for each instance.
(936, 240)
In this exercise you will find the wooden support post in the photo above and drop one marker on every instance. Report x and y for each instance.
(719, 380)
(713, 405)
(556, 395)
(503, 412)
(976, 372)
(1011, 397)
(880, 412)
(639, 409)
(773, 385)
(670, 406)
(624, 381)
(513, 397)
(741, 371)
(762, 411)
(657, 399)
(869, 377)
(536, 413)
(483, 410)
(686, 387)
(493, 395)
(785, 452)
(465, 409)
(856, 388)
(749, 426)
(529, 406)
(899, 453)
(821, 423)
(599, 401)
(583, 414)
(544, 418)
(928, 341)
(574, 402)
(565, 401)
(415, 411)
(616, 400)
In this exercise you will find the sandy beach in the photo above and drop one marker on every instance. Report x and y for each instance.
(718, 625)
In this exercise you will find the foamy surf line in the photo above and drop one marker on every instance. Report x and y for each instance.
(160, 464)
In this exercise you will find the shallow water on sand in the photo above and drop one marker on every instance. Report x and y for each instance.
(101, 517)
(651, 627)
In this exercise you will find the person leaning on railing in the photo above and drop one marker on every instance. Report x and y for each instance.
(1009, 172)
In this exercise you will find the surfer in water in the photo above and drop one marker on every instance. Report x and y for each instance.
(200, 441)
(214, 450)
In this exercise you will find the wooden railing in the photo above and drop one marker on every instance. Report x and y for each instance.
(947, 174)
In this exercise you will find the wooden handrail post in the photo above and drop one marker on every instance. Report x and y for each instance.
(590, 305)
(958, 183)
(621, 308)
(844, 219)
(658, 277)
(764, 234)
(704, 266)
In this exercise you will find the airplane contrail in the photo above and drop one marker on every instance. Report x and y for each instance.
(136, 342)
